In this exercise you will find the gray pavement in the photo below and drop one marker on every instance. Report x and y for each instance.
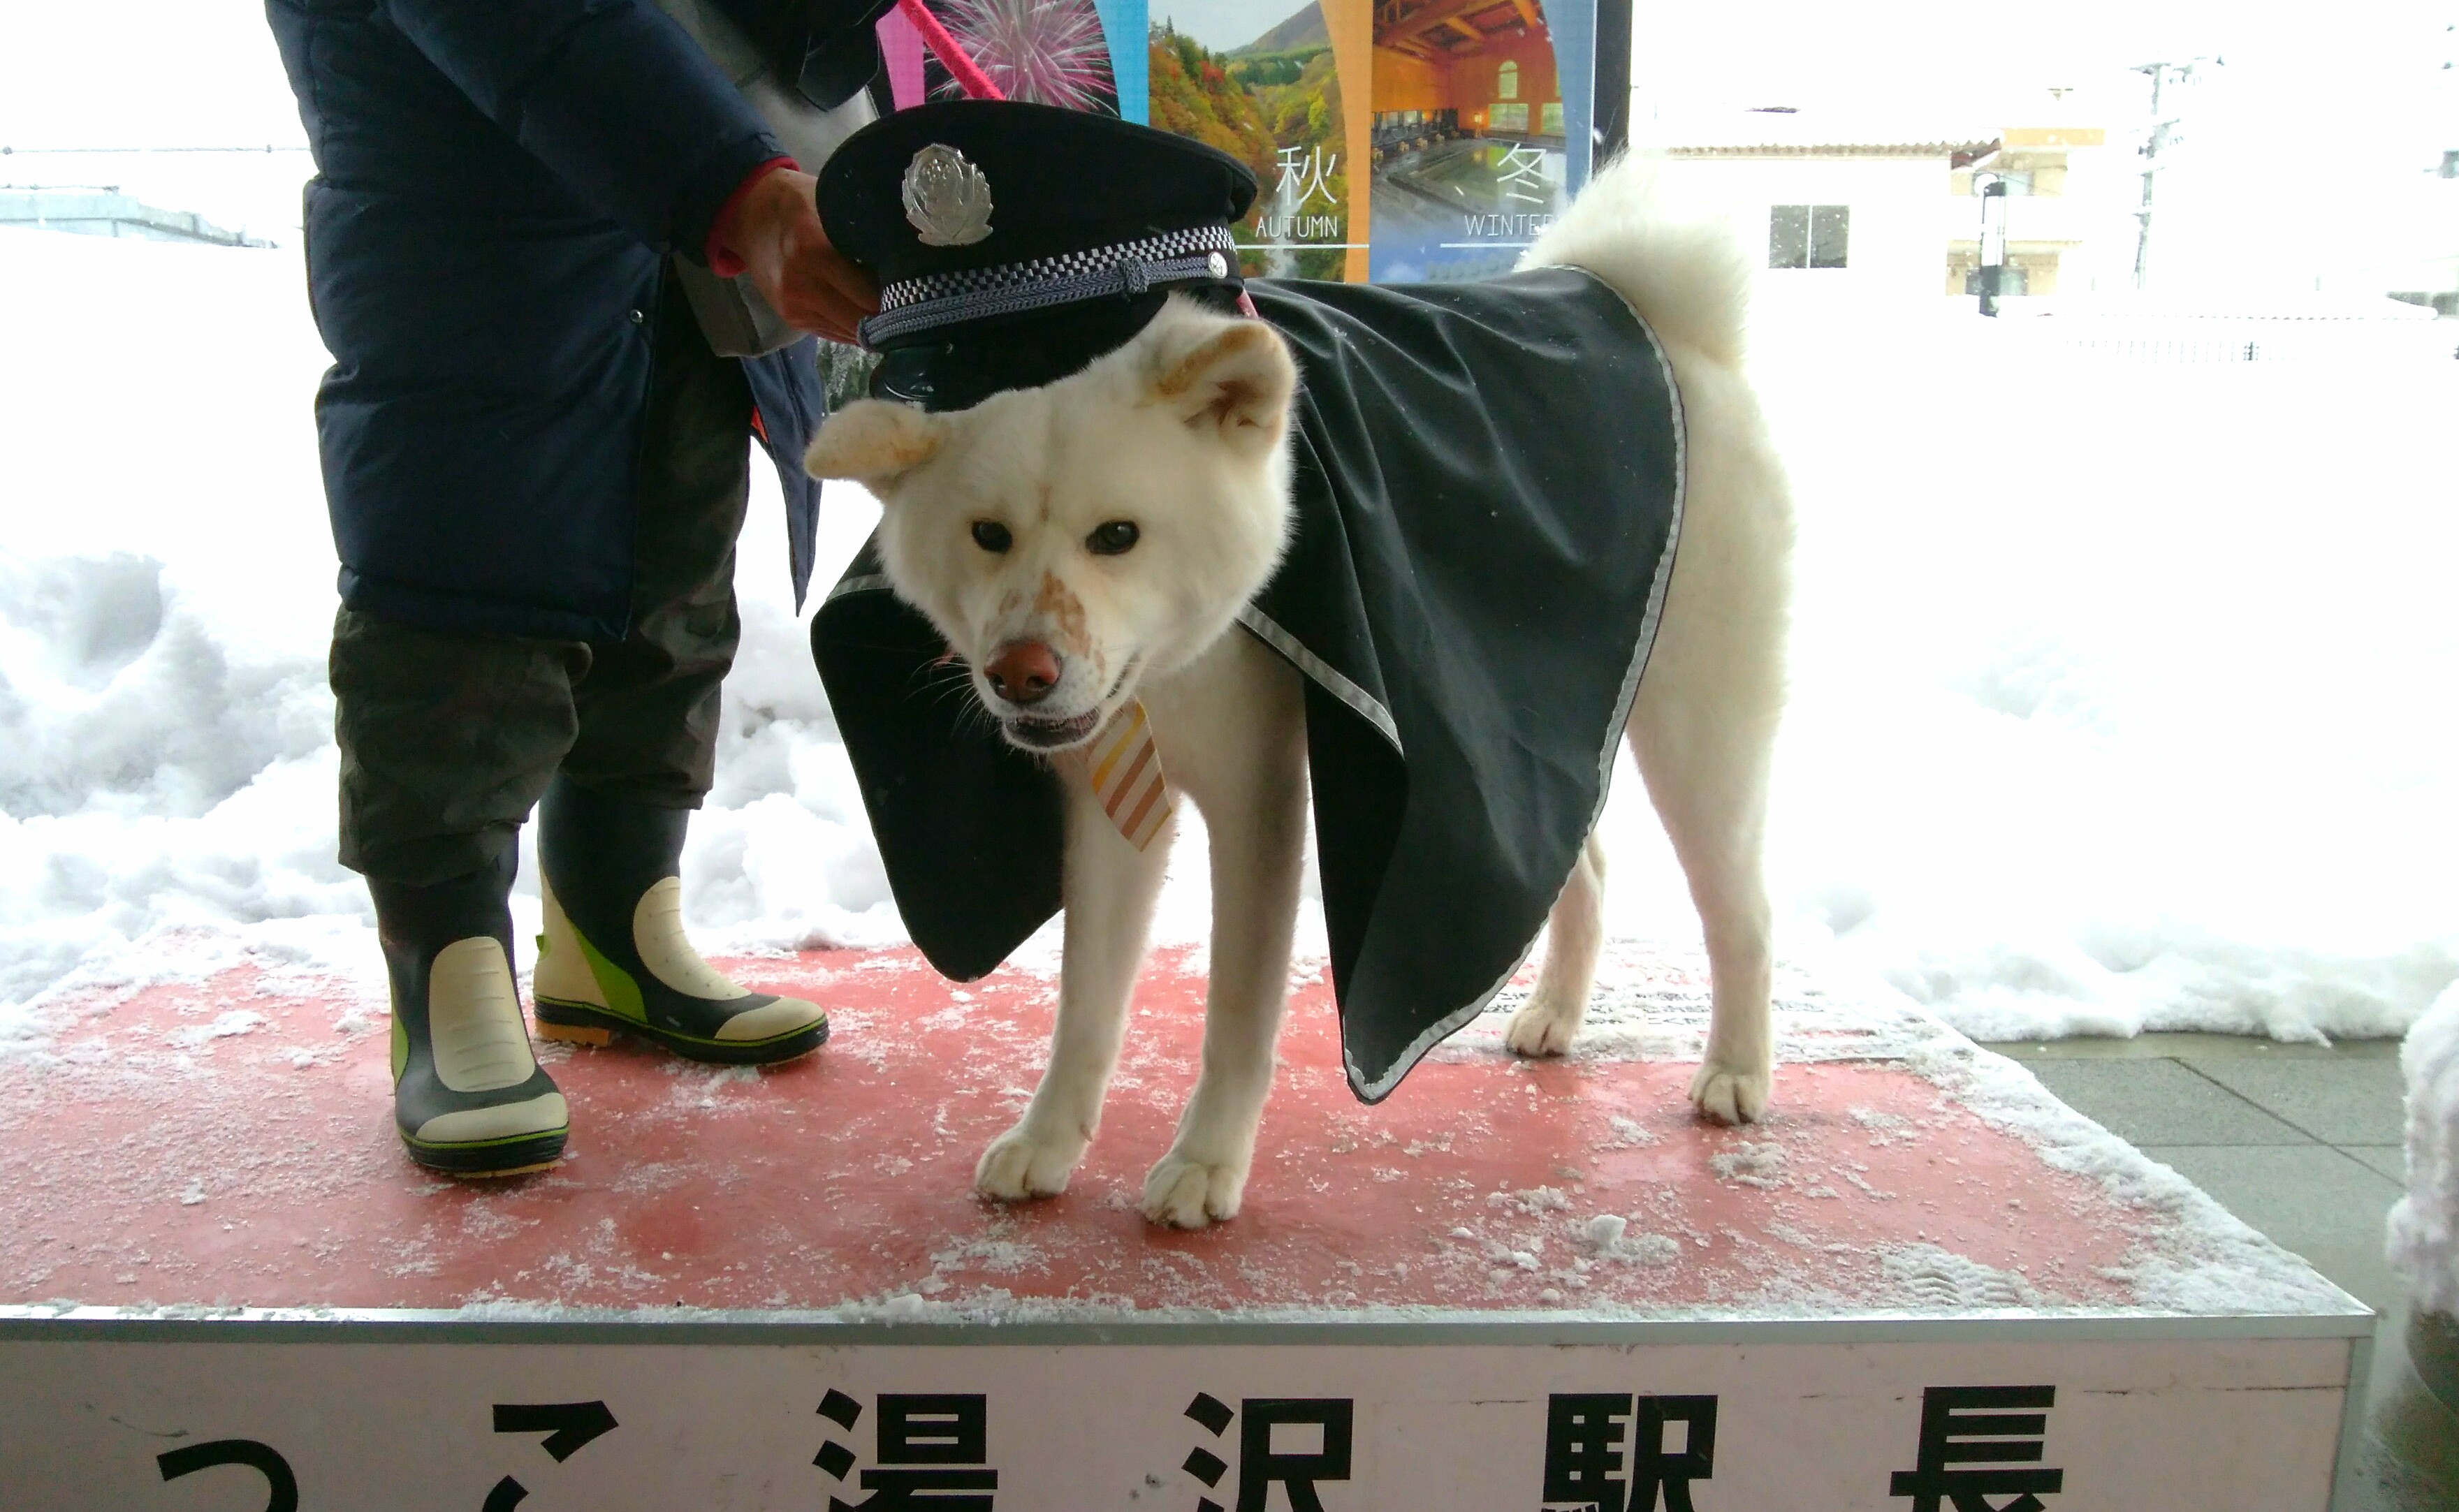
(2303, 1142)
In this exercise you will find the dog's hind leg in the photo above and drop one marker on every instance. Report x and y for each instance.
(1244, 726)
(1110, 890)
(1714, 817)
(1705, 723)
(1575, 931)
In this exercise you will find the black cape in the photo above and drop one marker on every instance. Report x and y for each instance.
(1488, 490)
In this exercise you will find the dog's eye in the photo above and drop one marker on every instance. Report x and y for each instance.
(992, 536)
(1111, 537)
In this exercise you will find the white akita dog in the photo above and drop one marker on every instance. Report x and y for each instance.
(1091, 541)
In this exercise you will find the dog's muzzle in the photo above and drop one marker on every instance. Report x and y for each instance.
(1049, 734)
(1042, 732)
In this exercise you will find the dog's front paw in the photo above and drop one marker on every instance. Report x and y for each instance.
(1186, 1193)
(1542, 1027)
(1731, 1094)
(1020, 1165)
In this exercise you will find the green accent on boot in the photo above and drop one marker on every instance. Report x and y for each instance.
(610, 862)
(554, 1013)
(628, 1013)
(622, 992)
(459, 1051)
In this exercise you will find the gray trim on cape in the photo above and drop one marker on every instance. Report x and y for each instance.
(1365, 704)
(1375, 1091)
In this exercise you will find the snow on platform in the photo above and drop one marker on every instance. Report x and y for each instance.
(231, 1145)
(201, 1188)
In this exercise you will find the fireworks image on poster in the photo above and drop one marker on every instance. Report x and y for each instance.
(1049, 52)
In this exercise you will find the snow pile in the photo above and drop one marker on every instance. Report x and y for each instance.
(2116, 688)
(1749, 1164)
(1610, 1236)
(167, 768)
(2116, 698)
(2425, 1223)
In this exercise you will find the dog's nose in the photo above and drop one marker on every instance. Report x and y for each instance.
(1023, 672)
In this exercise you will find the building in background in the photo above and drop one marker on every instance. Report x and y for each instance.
(2049, 231)
(1858, 208)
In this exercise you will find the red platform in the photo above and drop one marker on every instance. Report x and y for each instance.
(228, 1146)
(212, 1238)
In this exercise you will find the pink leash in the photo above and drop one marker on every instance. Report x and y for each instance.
(967, 74)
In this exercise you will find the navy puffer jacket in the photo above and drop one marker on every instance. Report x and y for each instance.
(497, 182)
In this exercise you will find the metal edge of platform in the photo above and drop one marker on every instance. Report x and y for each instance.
(2347, 1464)
(21, 1324)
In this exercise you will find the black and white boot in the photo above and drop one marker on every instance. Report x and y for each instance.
(469, 1096)
(613, 959)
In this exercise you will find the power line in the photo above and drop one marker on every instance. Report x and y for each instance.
(29, 152)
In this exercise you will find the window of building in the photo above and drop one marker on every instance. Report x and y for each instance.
(1506, 81)
(1511, 117)
(1550, 118)
(1808, 236)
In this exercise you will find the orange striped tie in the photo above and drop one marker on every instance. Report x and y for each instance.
(1126, 776)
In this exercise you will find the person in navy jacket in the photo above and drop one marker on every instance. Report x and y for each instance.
(536, 469)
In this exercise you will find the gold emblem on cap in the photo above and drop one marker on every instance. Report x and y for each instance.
(946, 198)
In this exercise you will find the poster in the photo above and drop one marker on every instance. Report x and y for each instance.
(1396, 140)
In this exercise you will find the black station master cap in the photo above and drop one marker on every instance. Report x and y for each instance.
(1014, 243)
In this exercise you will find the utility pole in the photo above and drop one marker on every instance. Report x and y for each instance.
(2163, 136)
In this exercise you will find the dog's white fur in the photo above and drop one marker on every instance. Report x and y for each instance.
(1184, 433)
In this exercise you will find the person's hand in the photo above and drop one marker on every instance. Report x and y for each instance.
(775, 230)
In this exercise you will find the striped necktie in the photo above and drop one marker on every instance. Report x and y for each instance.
(1127, 779)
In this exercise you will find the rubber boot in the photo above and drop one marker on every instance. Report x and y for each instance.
(468, 1096)
(613, 959)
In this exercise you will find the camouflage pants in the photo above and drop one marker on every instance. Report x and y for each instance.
(448, 740)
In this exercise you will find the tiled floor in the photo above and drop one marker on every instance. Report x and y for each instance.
(2302, 1142)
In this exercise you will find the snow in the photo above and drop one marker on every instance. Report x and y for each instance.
(2186, 1254)
(2089, 1227)
(2425, 1223)
(1750, 1165)
(166, 761)
(2116, 687)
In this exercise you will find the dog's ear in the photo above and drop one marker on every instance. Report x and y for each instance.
(1231, 377)
(874, 442)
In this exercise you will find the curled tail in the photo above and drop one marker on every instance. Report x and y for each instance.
(1683, 270)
